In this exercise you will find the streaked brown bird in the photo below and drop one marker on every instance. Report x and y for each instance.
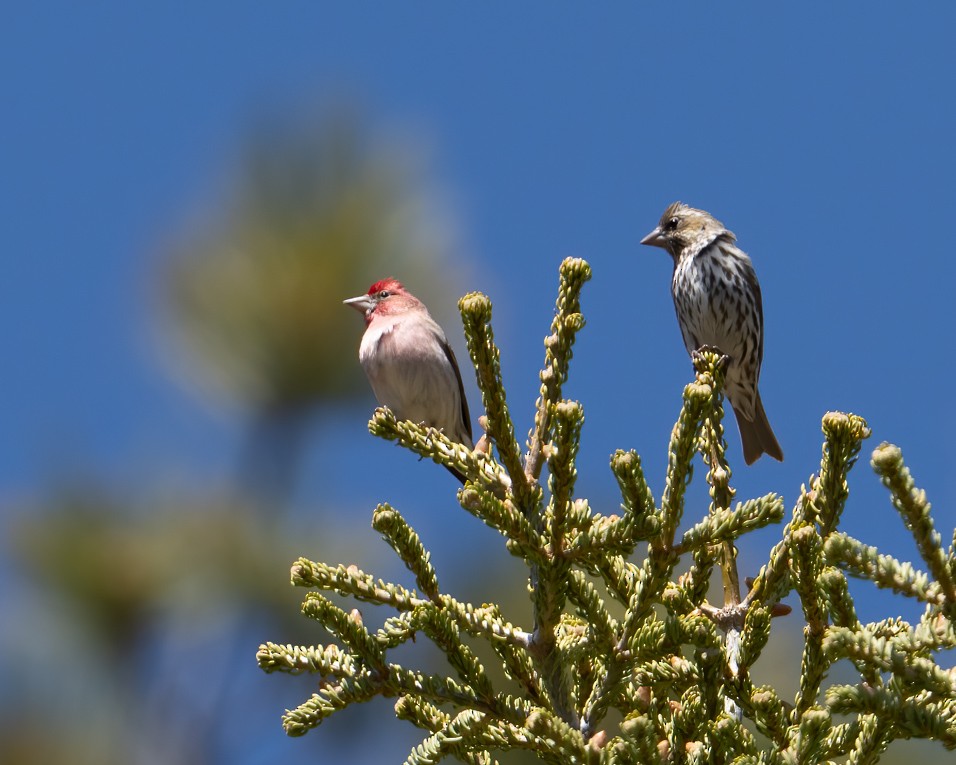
(718, 304)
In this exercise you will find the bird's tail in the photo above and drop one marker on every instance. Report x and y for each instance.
(757, 436)
(456, 473)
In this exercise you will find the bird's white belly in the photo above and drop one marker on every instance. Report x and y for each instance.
(410, 378)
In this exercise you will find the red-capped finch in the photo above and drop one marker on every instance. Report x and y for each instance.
(718, 304)
(407, 359)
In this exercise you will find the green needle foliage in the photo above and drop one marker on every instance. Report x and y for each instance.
(616, 632)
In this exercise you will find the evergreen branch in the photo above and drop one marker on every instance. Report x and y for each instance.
(397, 630)
(431, 443)
(568, 419)
(541, 733)
(451, 740)
(467, 730)
(603, 536)
(549, 578)
(643, 584)
(680, 453)
(505, 736)
(548, 595)
(833, 584)
(808, 736)
(835, 590)
(470, 732)
(806, 560)
(844, 434)
(895, 630)
(583, 594)
(711, 690)
(871, 742)
(438, 689)
(619, 575)
(689, 715)
(504, 517)
(485, 622)
(773, 582)
(728, 735)
(695, 630)
(640, 518)
(649, 582)
(934, 631)
(694, 585)
(912, 505)
(883, 653)
(580, 515)
(918, 717)
(651, 640)
(476, 317)
(420, 713)
(769, 712)
(568, 321)
(356, 689)
(843, 737)
(640, 740)
(884, 571)
(329, 660)
(511, 647)
(394, 681)
(346, 628)
(351, 580)
(754, 636)
(724, 525)
(651, 579)
(443, 631)
(563, 739)
(711, 367)
(427, 716)
(404, 541)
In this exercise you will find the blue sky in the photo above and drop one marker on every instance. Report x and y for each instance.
(821, 135)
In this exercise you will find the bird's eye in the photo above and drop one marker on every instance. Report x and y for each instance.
(383, 294)
(671, 224)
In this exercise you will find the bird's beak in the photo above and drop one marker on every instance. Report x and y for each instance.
(655, 238)
(362, 303)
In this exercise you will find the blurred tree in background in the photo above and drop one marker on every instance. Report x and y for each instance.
(317, 214)
(144, 602)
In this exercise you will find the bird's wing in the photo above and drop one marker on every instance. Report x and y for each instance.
(751, 277)
(450, 355)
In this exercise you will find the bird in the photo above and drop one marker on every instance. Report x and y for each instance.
(409, 363)
(718, 304)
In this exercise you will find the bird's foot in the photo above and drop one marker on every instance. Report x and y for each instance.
(697, 356)
(484, 443)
